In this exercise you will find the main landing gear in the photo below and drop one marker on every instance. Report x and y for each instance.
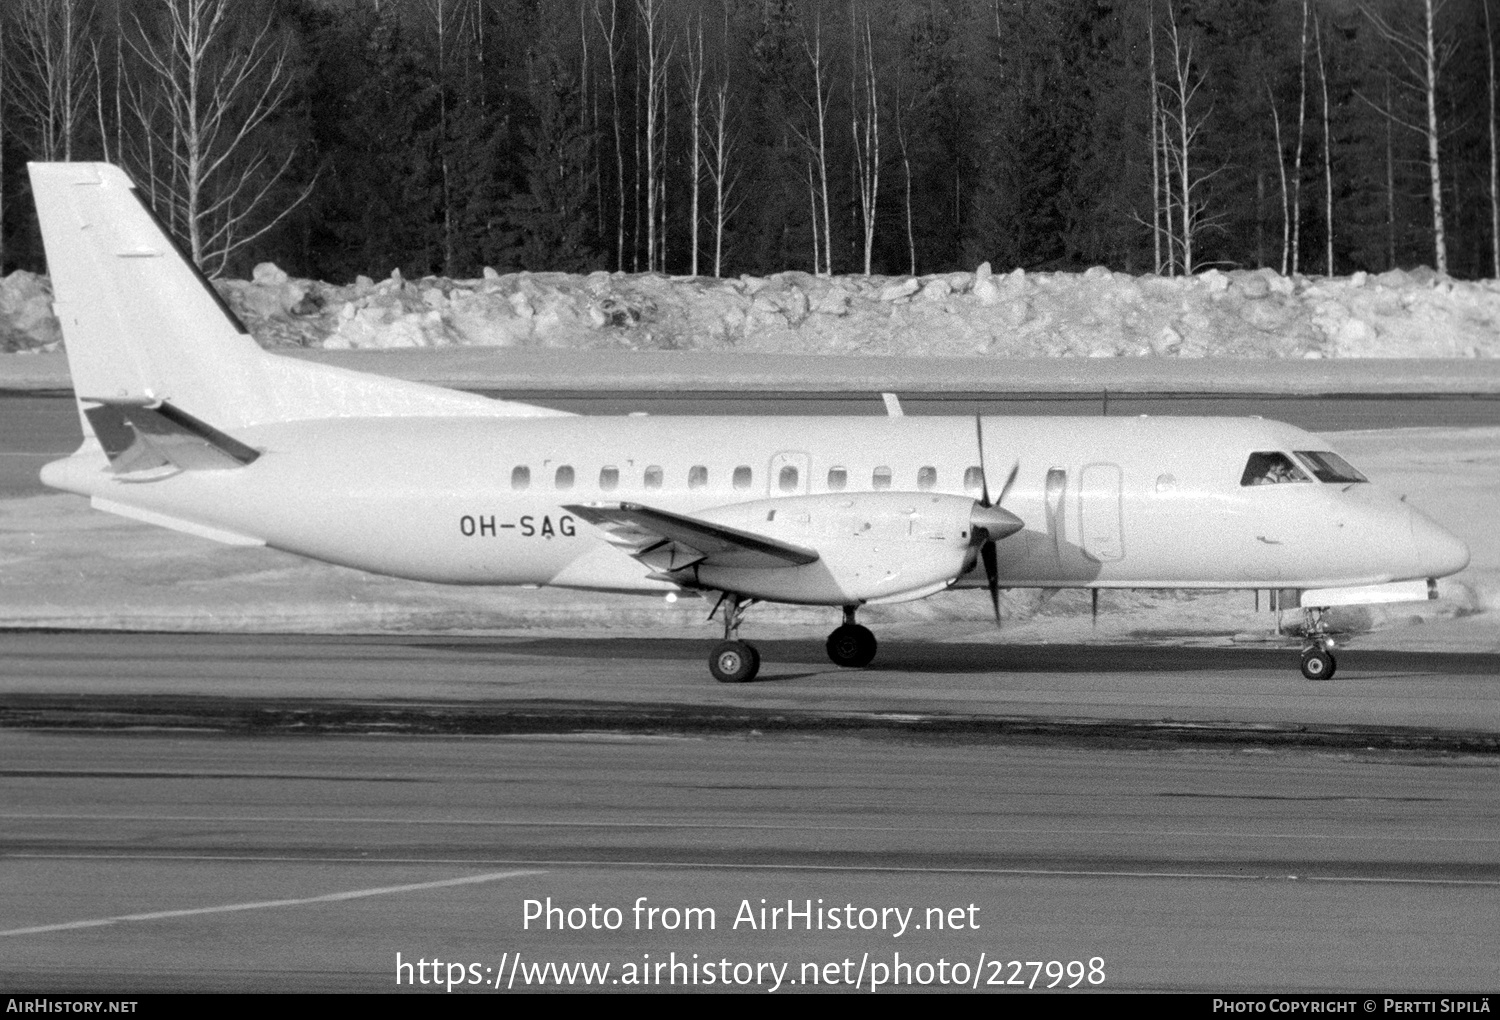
(851, 645)
(734, 661)
(1318, 662)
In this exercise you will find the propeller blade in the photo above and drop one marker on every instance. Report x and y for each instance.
(984, 481)
(1009, 481)
(992, 574)
(1095, 606)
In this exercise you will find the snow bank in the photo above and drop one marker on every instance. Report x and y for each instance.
(1098, 313)
(26, 320)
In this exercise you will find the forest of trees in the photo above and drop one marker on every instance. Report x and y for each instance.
(719, 137)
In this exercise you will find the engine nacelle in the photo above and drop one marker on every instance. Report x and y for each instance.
(871, 545)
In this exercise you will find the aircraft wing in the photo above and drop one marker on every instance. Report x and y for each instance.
(668, 542)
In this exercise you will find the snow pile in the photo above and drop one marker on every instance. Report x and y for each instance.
(26, 321)
(1099, 313)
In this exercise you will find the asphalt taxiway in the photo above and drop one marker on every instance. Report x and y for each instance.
(386, 683)
(257, 813)
(179, 861)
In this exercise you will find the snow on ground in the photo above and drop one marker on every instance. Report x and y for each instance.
(1098, 313)
(65, 565)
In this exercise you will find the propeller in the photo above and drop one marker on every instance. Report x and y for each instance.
(989, 523)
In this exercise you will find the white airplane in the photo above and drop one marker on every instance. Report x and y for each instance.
(188, 424)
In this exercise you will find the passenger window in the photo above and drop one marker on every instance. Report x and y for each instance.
(697, 476)
(653, 477)
(974, 480)
(564, 478)
(881, 479)
(520, 478)
(1329, 467)
(787, 480)
(742, 477)
(838, 478)
(609, 478)
(927, 479)
(1271, 468)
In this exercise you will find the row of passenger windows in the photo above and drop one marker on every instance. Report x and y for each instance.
(788, 478)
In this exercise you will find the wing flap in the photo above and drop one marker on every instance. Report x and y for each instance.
(669, 542)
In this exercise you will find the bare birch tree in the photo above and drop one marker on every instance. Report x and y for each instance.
(98, 76)
(864, 124)
(4, 75)
(812, 201)
(210, 86)
(695, 73)
(1156, 143)
(1301, 129)
(1327, 152)
(1421, 56)
(721, 143)
(818, 146)
(612, 56)
(656, 72)
(1286, 212)
(52, 72)
(1489, 44)
(1184, 125)
(911, 238)
(447, 19)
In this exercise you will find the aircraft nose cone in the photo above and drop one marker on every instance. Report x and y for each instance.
(1438, 553)
(996, 522)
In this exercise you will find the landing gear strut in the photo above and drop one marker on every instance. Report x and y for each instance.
(733, 661)
(1318, 662)
(851, 644)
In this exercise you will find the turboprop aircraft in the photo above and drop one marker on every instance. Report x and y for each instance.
(188, 424)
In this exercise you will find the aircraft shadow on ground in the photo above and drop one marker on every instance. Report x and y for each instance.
(920, 657)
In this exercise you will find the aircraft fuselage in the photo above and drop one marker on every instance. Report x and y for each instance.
(1107, 502)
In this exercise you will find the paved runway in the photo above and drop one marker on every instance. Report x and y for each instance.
(154, 862)
(145, 851)
(360, 684)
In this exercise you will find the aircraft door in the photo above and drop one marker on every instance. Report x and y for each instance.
(1099, 489)
(790, 474)
(1054, 496)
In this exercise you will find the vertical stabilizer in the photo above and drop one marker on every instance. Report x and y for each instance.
(142, 325)
(139, 321)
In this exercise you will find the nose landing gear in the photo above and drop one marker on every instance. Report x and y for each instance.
(851, 645)
(1318, 662)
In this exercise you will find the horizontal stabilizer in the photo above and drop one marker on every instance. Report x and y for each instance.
(668, 542)
(137, 436)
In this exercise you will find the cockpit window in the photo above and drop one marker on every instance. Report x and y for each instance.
(1271, 468)
(1329, 467)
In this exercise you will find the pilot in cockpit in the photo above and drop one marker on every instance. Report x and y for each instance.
(1271, 468)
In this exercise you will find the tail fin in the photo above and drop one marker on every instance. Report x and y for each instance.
(142, 325)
